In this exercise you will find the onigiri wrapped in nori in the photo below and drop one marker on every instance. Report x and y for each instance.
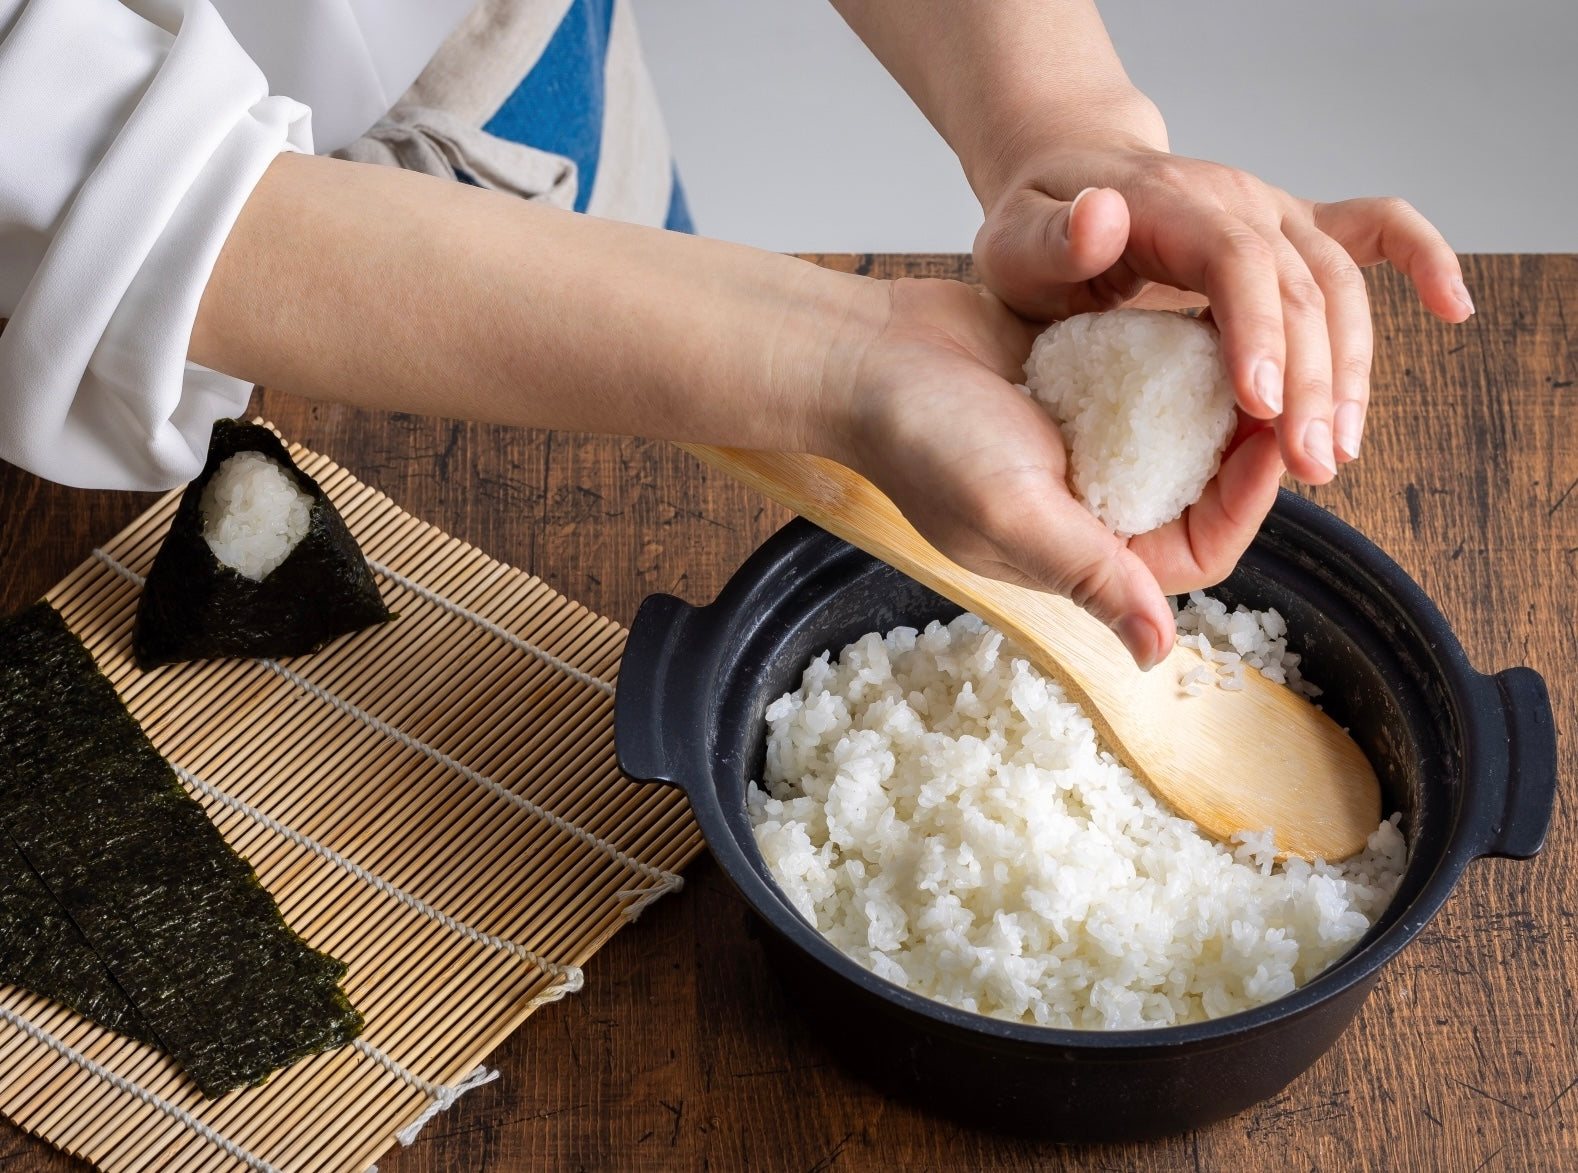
(1145, 406)
(258, 563)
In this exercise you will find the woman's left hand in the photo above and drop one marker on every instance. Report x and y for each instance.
(1089, 227)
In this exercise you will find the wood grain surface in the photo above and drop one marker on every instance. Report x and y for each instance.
(683, 1053)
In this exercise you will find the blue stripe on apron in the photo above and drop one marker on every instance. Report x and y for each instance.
(558, 106)
(678, 218)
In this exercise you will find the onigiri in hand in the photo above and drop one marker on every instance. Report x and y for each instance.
(1144, 403)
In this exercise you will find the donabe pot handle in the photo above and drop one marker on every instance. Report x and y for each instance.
(650, 706)
(1518, 830)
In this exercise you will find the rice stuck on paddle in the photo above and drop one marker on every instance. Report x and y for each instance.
(1144, 403)
(943, 814)
(254, 514)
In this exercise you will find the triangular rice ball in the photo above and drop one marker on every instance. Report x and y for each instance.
(194, 607)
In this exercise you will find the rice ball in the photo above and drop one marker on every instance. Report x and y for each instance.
(1145, 407)
(254, 515)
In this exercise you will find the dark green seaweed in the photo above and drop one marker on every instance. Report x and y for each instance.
(194, 607)
(41, 950)
(176, 918)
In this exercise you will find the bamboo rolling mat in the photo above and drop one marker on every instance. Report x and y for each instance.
(434, 801)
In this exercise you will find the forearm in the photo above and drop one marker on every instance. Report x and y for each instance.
(994, 76)
(379, 288)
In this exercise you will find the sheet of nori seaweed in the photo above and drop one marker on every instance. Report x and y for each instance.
(177, 918)
(42, 951)
(194, 607)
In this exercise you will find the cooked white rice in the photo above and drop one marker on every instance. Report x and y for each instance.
(939, 810)
(253, 514)
(1229, 643)
(1144, 403)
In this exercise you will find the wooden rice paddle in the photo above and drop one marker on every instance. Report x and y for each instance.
(1231, 760)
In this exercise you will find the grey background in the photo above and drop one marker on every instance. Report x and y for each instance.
(790, 136)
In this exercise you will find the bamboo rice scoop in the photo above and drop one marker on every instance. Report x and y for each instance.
(1230, 760)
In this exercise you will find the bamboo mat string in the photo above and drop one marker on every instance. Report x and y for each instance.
(571, 977)
(667, 881)
(443, 1095)
(494, 629)
(120, 1083)
(641, 897)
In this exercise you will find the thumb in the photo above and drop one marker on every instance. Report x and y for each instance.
(1122, 592)
(1090, 565)
(1041, 255)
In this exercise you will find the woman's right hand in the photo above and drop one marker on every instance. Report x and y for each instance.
(933, 418)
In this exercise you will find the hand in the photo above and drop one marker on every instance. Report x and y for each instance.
(1087, 228)
(979, 468)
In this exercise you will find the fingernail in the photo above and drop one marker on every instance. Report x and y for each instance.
(1068, 221)
(1268, 385)
(1317, 443)
(1460, 294)
(1348, 424)
(1140, 638)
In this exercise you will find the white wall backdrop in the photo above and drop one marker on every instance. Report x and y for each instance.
(790, 136)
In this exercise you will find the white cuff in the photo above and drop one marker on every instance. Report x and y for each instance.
(141, 149)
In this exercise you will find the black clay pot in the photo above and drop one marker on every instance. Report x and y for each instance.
(1468, 758)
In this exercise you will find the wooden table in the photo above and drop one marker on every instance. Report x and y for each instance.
(682, 1053)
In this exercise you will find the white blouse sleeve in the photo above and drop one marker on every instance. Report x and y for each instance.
(127, 148)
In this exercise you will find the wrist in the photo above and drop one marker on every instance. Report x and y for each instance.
(818, 355)
(1120, 119)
